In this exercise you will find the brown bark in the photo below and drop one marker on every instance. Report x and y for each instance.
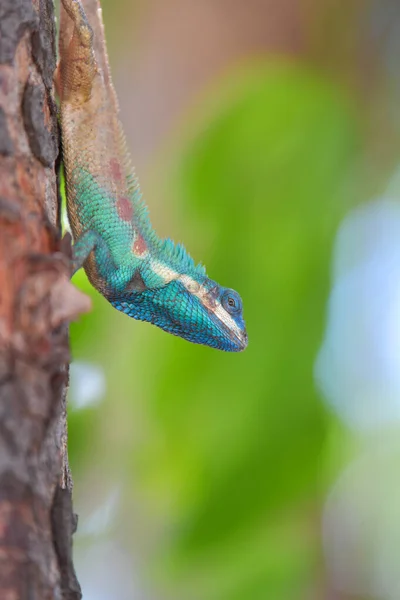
(36, 303)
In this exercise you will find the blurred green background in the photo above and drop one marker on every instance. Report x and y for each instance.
(255, 127)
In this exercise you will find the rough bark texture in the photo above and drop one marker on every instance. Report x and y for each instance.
(36, 303)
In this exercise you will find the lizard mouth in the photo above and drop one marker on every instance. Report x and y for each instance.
(244, 340)
(240, 340)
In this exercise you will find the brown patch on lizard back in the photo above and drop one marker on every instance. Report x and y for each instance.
(139, 246)
(124, 208)
(115, 169)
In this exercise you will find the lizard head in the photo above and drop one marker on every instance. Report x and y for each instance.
(196, 309)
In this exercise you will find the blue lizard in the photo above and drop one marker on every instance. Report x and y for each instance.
(145, 277)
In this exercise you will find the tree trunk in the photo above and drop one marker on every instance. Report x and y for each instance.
(36, 303)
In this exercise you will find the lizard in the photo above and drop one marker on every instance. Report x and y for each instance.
(144, 276)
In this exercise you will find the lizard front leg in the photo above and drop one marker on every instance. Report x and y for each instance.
(112, 278)
(88, 242)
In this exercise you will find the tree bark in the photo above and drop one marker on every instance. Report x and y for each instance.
(36, 303)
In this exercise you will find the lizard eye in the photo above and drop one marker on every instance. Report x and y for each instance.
(231, 301)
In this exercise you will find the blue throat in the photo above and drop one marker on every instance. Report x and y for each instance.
(175, 310)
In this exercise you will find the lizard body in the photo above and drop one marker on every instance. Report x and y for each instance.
(146, 277)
